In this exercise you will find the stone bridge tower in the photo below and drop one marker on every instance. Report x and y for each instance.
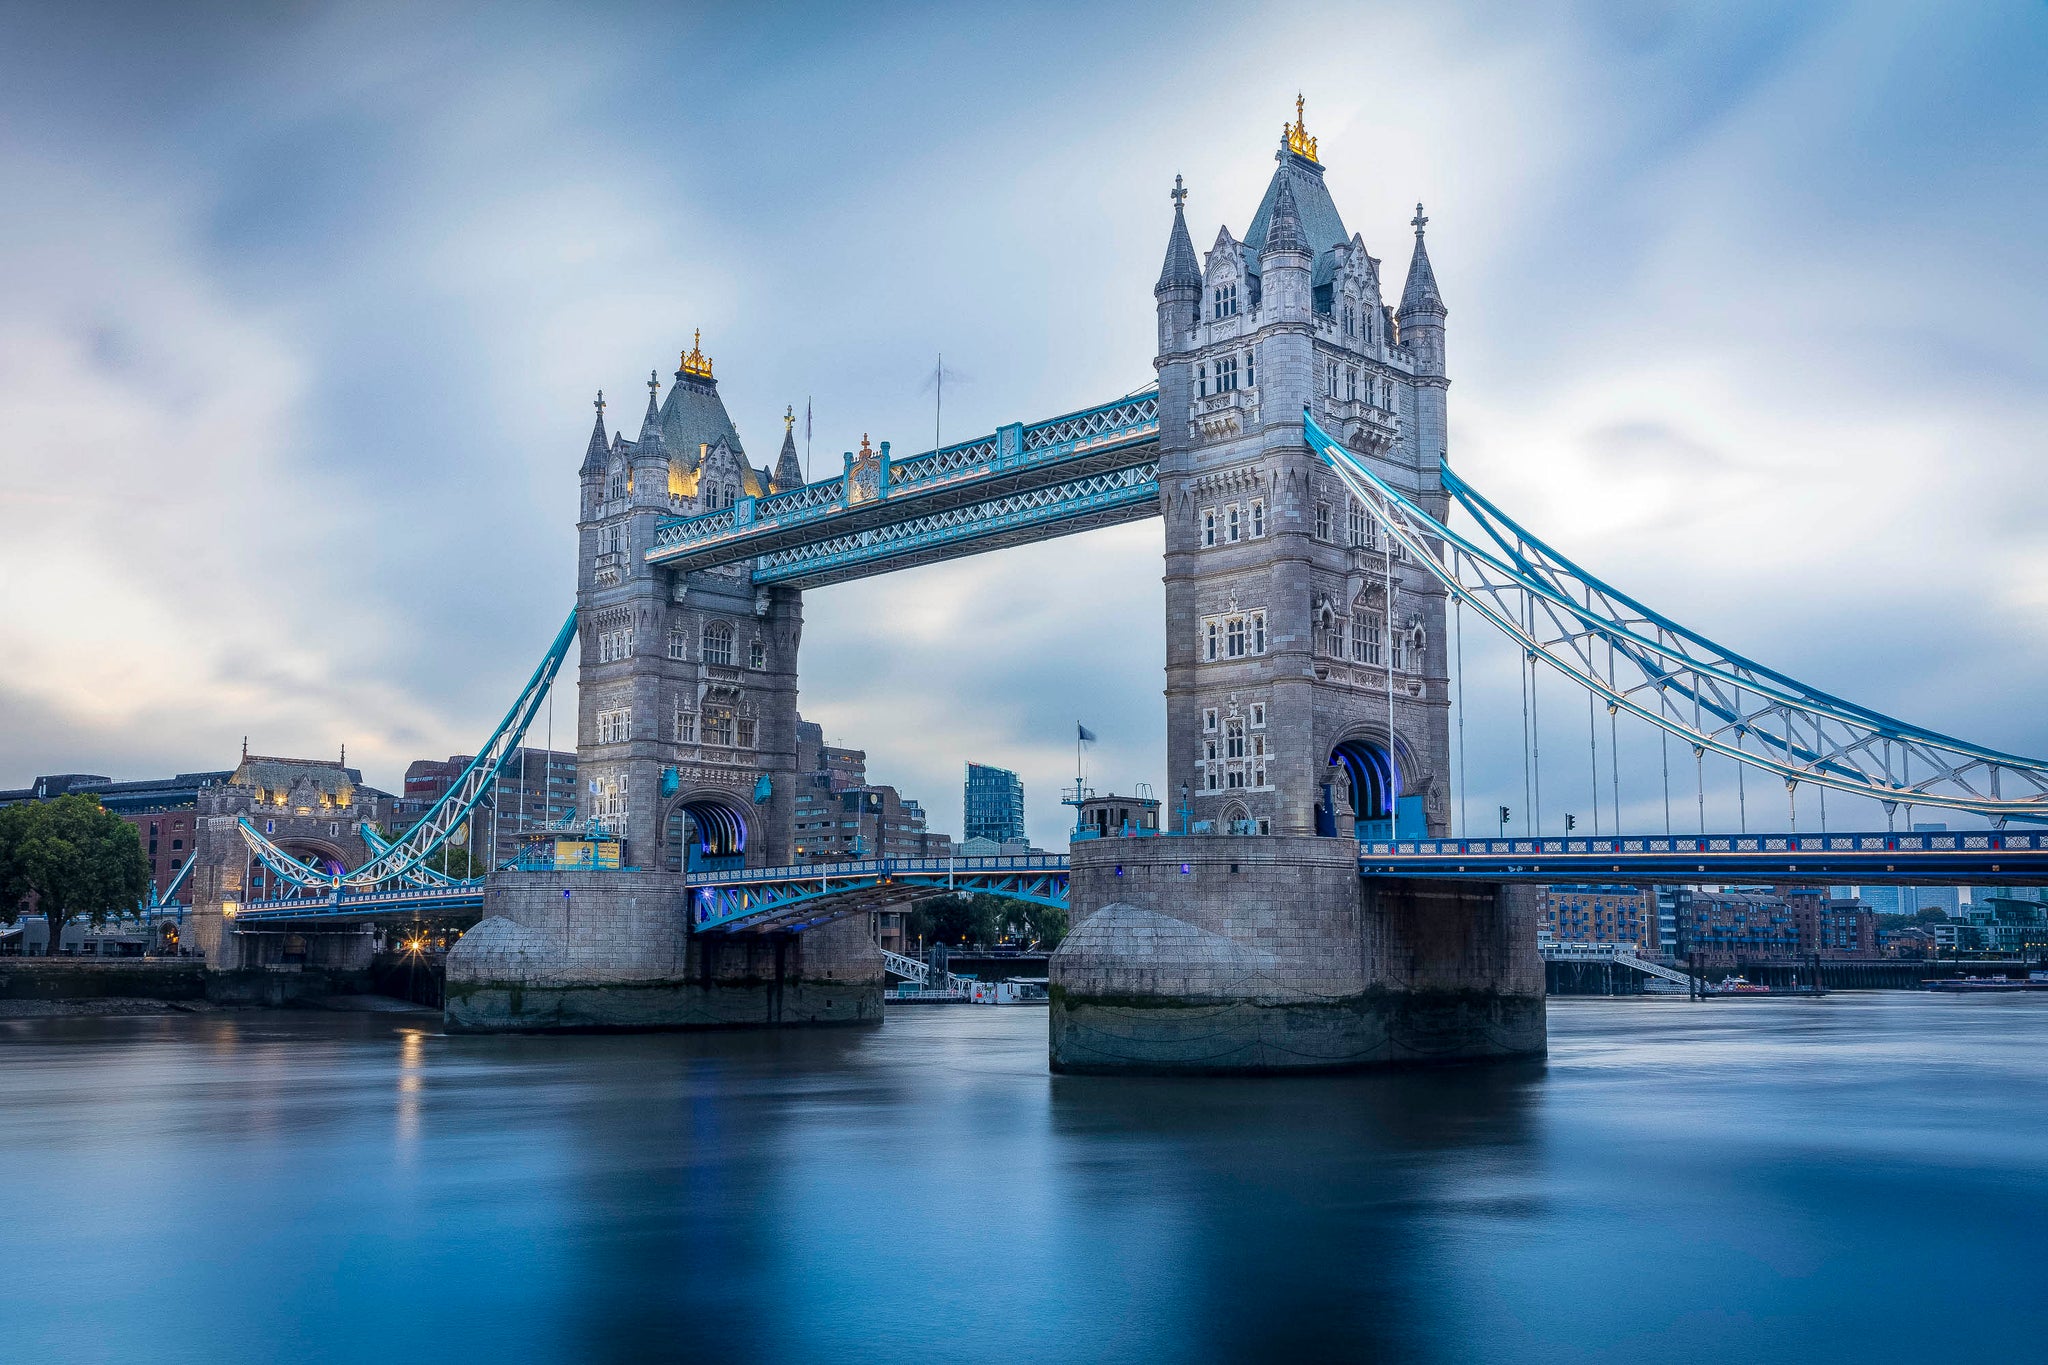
(685, 746)
(686, 725)
(1307, 690)
(1307, 674)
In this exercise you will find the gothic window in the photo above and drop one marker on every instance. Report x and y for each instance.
(1223, 301)
(719, 727)
(1210, 780)
(1209, 719)
(1258, 632)
(1213, 640)
(718, 643)
(1259, 748)
(611, 800)
(1233, 738)
(625, 642)
(1350, 321)
(1236, 777)
(1322, 521)
(1226, 374)
(1329, 633)
(1209, 751)
(1251, 369)
(1258, 715)
(1330, 378)
(746, 732)
(1202, 381)
(1258, 517)
(615, 727)
(757, 655)
(1350, 383)
(1365, 637)
(1208, 526)
(1361, 524)
(1234, 633)
(686, 726)
(677, 645)
(1231, 518)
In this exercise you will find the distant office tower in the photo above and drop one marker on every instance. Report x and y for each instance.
(1885, 900)
(994, 805)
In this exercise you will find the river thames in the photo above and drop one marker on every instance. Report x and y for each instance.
(1863, 1177)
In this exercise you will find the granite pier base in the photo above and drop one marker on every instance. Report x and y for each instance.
(611, 950)
(1248, 954)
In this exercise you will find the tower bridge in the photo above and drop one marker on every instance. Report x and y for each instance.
(1316, 906)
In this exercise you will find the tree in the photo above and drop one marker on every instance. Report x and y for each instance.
(454, 862)
(78, 859)
(978, 918)
(13, 879)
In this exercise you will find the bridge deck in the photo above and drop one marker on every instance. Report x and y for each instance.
(1968, 857)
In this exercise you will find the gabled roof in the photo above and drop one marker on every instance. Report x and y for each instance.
(1321, 224)
(694, 417)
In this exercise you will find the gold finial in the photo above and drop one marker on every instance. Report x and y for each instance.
(1295, 134)
(789, 418)
(695, 363)
(865, 451)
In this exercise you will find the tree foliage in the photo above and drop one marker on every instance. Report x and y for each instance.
(77, 859)
(975, 919)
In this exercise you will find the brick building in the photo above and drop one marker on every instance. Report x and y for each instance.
(163, 811)
(1600, 914)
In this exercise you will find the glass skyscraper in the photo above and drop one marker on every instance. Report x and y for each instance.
(994, 805)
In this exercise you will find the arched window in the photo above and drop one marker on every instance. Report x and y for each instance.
(678, 645)
(757, 655)
(718, 643)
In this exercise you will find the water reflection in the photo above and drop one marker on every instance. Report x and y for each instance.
(927, 1190)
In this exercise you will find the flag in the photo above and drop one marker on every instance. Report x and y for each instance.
(1085, 735)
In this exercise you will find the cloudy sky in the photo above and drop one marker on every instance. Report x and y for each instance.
(301, 314)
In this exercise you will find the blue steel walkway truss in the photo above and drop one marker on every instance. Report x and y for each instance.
(792, 898)
(1023, 483)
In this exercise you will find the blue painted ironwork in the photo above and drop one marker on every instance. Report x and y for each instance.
(1037, 514)
(402, 858)
(795, 898)
(1974, 857)
(455, 898)
(985, 483)
(1642, 662)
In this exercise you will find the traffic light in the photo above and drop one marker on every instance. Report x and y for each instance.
(1504, 814)
(1571, 822)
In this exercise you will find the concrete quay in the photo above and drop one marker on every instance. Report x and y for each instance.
(1250, 954)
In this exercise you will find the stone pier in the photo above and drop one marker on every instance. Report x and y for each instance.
(610, 950)
(1263, 954)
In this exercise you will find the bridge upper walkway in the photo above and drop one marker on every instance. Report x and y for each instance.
(1023, 482)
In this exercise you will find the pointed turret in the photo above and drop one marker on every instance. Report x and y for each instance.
(598, 452)
(1419, 296)
(1284, 232)
(650, 425)
(788, 472)
(1422, 310)
(1181, 270)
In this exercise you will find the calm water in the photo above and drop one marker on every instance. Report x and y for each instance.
(1861, 1176)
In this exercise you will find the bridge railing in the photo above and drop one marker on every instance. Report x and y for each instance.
(1961, 841)
(871, 867)
(1057, 438)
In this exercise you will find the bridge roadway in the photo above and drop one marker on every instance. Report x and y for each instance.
(756, 900)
